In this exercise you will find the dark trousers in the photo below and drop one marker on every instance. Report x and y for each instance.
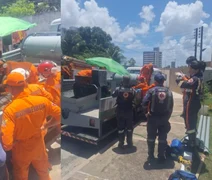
(157, 126)
(190, 112)
(124, 119)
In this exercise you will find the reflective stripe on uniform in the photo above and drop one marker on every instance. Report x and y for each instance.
(151, 140)
(191, 131)
(120, 132)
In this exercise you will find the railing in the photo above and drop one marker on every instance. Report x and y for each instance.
(204, 132)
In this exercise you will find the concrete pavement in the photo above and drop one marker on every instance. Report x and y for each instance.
(81, 161)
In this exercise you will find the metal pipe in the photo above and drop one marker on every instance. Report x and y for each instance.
(200, 127)
(207, 136)
(203, 129)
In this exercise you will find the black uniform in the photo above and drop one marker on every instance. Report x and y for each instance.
(192, 103)
(124, 112)
(158, 103)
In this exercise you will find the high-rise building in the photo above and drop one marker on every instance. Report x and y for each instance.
(173, 64)
(154, 57)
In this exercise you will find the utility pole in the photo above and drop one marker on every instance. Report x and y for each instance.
(201, 43)
(195, 46)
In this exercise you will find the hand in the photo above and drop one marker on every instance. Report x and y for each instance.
(42, 128)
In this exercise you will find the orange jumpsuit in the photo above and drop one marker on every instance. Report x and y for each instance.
(86, 72)
(22, 120)
(33, 73)
(144, 88)
(146, 71)
(37, 90)
(53, 86)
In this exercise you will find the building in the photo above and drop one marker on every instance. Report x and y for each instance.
(173, 64)
(154, 57)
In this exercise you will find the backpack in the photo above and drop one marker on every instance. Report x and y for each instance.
(182, 175)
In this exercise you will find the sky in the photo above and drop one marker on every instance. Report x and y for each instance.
(137, 26)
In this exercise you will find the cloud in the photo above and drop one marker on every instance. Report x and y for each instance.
(147, 13)
(135, 45)
(183, 18)
(93, 15)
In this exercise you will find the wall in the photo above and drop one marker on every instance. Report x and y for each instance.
(171, 78)
(43, 21)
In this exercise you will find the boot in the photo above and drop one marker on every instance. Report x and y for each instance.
(161, 152)
(151, 148)
(121, 137)
(129, 138)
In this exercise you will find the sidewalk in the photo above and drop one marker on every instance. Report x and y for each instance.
(123, 165)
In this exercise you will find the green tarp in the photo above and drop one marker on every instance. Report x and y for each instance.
(9, 25)
(108, 63)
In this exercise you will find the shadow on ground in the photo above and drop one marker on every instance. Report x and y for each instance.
(168, 164)
(86, 150)
(125, 150)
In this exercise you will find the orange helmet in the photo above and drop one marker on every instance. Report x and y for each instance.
(15, 79)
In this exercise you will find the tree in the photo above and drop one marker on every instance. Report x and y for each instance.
(19, 8)
(86, 42)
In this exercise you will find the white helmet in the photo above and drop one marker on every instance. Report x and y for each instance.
(22, 71)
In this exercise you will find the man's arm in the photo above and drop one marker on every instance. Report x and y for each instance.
(55, 112)
(45, 93)
(7, 130)
(187, 84)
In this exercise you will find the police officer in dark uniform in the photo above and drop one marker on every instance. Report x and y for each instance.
(124, 111)
(192, 99)
(158, 105)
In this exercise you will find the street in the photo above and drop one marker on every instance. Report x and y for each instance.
(81, 161)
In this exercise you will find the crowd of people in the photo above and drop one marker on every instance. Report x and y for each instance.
(157, 104)
(30, 107)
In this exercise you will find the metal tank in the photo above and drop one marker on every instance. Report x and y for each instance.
(118, 79)
(40, 46)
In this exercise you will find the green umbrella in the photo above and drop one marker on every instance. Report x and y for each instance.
(108, 63)
(10, 25)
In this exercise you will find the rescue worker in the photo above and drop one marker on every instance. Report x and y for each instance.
(33, 89)
(192, 99)
(146, 71)
(124, 111)
(7, 66)
(22, 125)
(143, 85)
(158, 105)
(49, 70)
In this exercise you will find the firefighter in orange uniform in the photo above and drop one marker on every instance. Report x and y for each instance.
(143, 85)
(33, 89)
(49, 70)
(7, 66)
(22, 129)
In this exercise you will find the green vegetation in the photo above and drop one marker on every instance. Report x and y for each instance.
(206, 173)
(20, 8)
(86, 42)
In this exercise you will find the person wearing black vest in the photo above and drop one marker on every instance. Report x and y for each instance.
(124, 111)
(192, 99)
(158, 105)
